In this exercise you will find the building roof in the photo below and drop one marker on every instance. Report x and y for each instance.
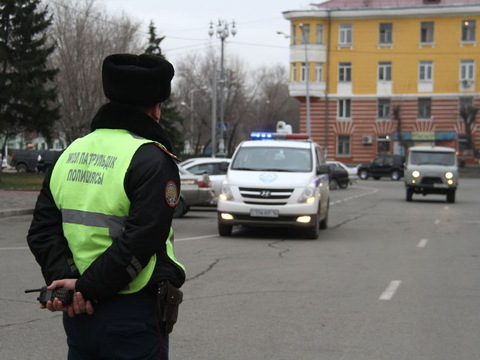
(357, 4)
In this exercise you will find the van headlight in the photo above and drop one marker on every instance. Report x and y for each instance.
(226, 194)
(415, 173)
(448, 175)
(308, 194)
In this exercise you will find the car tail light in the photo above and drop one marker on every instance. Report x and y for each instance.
(204, 183)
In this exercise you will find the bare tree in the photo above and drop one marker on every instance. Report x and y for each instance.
(254, 100)
(84, 34)
(468, 115)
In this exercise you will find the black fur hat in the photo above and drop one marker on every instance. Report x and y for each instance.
(137, 79)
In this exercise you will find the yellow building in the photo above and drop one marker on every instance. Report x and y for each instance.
(383, 75)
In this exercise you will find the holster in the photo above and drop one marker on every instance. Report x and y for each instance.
(168, 300)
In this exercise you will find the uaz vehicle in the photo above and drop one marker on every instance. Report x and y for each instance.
(276, 183)
(383, 166)
(431, 170)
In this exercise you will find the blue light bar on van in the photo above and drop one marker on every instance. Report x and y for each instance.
(277, 136)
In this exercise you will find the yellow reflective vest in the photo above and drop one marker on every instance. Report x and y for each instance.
(87, 185)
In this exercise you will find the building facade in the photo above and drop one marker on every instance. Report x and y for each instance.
(378, 76)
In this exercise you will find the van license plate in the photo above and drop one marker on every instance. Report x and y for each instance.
(264, 212)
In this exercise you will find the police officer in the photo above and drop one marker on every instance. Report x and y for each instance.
(102, 222)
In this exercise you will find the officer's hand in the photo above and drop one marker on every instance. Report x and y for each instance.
(78, 306)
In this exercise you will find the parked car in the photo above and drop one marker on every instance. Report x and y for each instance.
(338, 177)
(216, 169)
(25, 160)
(352, 171)
(47, 159)
(195, 190)
(391, 166)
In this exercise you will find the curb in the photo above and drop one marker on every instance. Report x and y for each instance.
(15, 212)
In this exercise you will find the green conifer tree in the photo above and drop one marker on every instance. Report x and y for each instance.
(171, 118)
(26, 81)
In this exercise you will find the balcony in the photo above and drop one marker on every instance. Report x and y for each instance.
(315, 89)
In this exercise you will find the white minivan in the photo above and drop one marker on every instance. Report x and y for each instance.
(276, 181)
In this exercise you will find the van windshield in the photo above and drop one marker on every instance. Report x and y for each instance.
(432, 158)
(273, 159)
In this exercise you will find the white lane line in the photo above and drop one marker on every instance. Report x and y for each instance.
(422, 243)
(437, 221)
(15, 248)
(390, 291)
(197, 237)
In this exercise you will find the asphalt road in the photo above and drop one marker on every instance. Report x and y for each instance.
(389, 280)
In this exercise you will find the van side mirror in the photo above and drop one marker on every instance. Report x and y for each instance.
(323, 169)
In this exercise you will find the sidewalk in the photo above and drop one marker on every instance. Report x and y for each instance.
(17, 202)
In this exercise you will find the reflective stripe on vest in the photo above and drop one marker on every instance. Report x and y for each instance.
(87, 186)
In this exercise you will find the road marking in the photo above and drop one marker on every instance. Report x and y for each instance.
(197, 237)
(390, 291)
(15, 248)
(437, 221)
(422, 243)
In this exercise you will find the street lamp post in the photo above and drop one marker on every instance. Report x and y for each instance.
(223, 31)
(192, 114)
(307, 76)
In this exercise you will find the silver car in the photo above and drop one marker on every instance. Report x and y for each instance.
(196, 190)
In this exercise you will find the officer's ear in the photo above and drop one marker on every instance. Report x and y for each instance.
(156, 112)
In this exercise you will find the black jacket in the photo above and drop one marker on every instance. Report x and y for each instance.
(146, 228)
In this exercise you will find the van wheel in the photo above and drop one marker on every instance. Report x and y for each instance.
(395, 175)
(409, 194)
(181, 209)
(224, 229)
(324, 223)
(451, 196)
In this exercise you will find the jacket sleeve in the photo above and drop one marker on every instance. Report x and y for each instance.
(146, 229)
(46, 241)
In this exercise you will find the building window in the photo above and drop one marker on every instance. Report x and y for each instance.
(383, 144)
(344, 109)
(465, 103)
(305, 28)
(345, 35)
(464, 147)
(385, 71)
(345, 72)
(319, 37)
(343, 145)
(424, 108)
(425, 71)
(386, 34)
(318, 72)
(293, 72)
(426, 32)
(468, 30)
(293, 36)
(383, 109)
(467, 70)
(304, 72)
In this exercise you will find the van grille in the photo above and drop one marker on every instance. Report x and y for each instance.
(265, 196)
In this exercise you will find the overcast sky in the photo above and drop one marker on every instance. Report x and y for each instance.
(185, 25)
